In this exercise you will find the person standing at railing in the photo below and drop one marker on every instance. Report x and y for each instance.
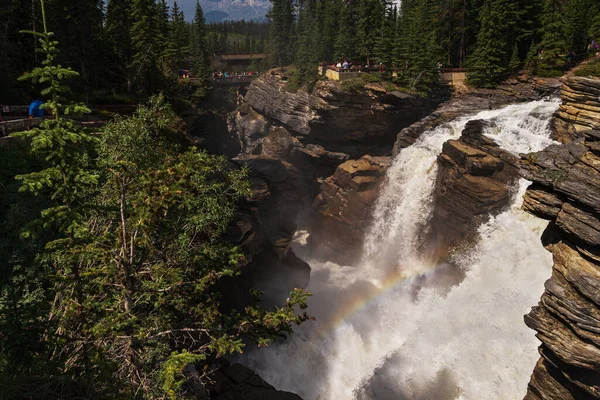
(35, 110)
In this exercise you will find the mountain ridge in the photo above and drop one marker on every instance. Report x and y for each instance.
(234, 9)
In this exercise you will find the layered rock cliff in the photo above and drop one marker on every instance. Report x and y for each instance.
(566, 191)
(580, 109)
(356, 123)
(475, 179)
(344, 206)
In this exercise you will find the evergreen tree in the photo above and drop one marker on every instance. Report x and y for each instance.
(417, 51)
(345, 42)
(371, 15)
(118, 28)
(327, 20)
(162, 18)
(306, 58)
(66, 179)
(145, 38)
(578, 18)
(200, 67)
(178, 39)
(553, 31)
(488, 65)
(281, 32)
(384, 47)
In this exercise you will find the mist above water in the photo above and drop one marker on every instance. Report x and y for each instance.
(405, 326)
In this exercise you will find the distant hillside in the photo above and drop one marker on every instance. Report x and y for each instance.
(218, 10)
(215, 16)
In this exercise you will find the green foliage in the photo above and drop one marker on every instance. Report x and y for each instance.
(281, 32)
(305, 60)
(200, 64)
(489, 65)
(553, 44)
(371, 16)
(172, 371)
(145, 75)
(590, 69)
(416, 55)
(357, 85)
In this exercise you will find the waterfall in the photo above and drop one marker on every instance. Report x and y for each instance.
(384, 332)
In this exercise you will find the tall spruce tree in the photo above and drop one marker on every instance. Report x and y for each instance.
(489, 63)
(384, 46)
(200, 66)
(147, 77)
(66, 179)
(418, 51)
(345, 42)
(177, 45)
(306, 58)
(554, 33)
(118, 30)
(371, 17)
(281, 31)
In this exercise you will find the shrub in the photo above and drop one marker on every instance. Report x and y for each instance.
(591, 69)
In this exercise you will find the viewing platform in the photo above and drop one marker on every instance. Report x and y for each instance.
(450, 76)
(341, 74)
(453, 76)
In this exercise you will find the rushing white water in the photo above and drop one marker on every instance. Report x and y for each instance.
(385, 331)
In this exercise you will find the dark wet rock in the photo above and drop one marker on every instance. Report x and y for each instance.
(231, 382)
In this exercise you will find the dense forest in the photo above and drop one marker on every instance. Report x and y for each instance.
(137, 47)
(132, 48)
(491, 38)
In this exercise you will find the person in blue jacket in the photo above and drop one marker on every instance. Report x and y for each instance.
(35, 110)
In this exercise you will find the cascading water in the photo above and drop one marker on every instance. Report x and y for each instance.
(376, 338)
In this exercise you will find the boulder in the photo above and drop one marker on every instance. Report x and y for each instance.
(231, 382)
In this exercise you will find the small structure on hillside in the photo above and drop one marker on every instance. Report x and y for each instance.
(453, 76)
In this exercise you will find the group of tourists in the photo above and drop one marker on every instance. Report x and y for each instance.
(348, 66)
(233, 75)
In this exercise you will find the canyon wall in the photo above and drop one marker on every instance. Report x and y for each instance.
(566, 191)
(293, 142)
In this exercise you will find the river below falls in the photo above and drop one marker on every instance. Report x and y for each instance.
(399, 326)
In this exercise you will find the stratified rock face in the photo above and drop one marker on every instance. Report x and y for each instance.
(344, 206)
(580, 109)
(474, 181)
(334, 119)
(566, 190)
(474, 101)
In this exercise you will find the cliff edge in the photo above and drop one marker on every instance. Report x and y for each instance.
(566, 191)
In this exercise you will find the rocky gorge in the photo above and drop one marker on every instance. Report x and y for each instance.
(319, 161)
